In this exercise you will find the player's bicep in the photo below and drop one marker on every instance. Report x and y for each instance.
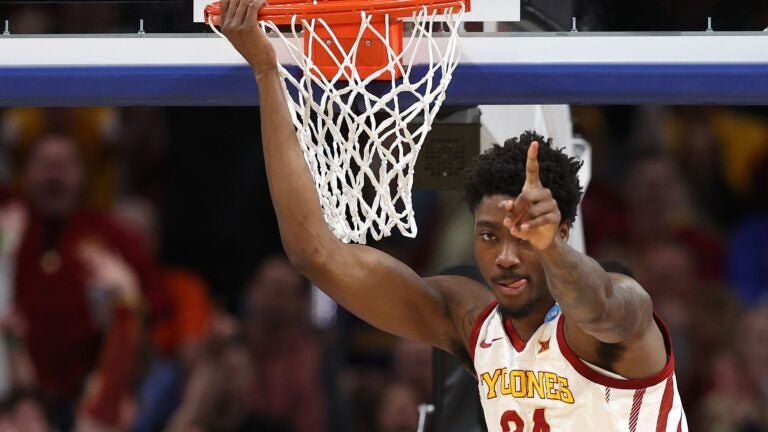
(628, 312)
(628, 327)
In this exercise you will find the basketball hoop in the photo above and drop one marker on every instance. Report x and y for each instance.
(355, 135)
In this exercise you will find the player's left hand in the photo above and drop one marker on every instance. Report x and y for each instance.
(533, 216)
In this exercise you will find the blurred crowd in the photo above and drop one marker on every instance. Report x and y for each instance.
(142, 285)
(105, 328)
(102, 332)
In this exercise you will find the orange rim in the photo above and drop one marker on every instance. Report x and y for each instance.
(342, 11)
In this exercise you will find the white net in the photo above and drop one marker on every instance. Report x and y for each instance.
(361, 137)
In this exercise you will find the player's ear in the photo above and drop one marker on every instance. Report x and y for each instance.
(565, 230)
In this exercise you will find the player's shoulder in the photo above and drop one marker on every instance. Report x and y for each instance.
(465, 300)
(461, 292)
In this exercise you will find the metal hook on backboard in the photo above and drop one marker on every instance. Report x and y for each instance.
(141, 27)
(573, 25)
(709, 24)
(7, 30)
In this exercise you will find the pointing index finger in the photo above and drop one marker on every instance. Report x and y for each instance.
(532, 165)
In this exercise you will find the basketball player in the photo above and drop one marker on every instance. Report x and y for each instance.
(557, 345)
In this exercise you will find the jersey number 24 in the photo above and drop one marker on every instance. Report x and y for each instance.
(512, 418)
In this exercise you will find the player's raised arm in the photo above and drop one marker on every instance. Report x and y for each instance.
(610, 308)
(371, 284)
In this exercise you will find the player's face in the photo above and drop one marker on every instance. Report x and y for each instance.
(509, 264)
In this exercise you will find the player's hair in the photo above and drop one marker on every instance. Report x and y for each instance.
(501, 170)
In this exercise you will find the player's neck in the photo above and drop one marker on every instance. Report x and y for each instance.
(527, 326)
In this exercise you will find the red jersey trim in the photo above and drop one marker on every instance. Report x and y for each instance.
(634, 415)
(666, 405)
(628, 384)
(476, 328)
(517, 342)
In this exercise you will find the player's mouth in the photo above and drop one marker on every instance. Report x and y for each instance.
(511, 287)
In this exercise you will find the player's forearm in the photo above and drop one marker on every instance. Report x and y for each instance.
(303, 230)
(576, 281)
(611, 308)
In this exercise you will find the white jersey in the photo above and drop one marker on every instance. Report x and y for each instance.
(542, 386)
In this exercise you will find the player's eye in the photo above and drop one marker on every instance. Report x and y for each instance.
(487, 236)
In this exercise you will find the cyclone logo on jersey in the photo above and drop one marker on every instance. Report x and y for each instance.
(526, 384)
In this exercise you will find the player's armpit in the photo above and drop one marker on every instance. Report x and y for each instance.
(389, 295)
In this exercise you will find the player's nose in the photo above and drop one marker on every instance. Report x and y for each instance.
(507, 256)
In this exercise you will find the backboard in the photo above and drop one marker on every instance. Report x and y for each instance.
(503, 62)
(482, 10)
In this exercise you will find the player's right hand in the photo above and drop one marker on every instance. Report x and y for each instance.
(533, 215)
(240, 24)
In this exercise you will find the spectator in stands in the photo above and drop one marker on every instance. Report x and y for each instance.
(284, 349)
(413, 364)
(217, 392)
(179, 337)
(23, 411)
(190, 307)
(699, 144)
(94, 129)
(68, 302)
(726, 406)
(106, 403)
(398, 408)
(748, 260)
(753, 347)
(736, 396)
(659, 209)
(747, 248)
(21, 371)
